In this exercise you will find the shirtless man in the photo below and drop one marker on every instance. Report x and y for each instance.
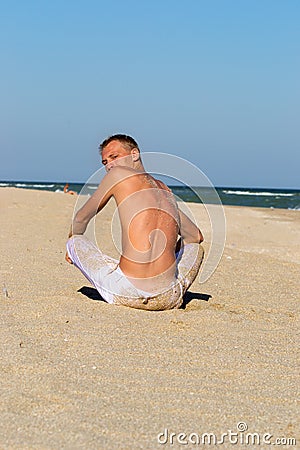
(155, 268)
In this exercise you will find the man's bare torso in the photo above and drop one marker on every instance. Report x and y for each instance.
(149, 222)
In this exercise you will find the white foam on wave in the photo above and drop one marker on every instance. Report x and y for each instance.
(4, 184)
(35, 185)
(270, 194)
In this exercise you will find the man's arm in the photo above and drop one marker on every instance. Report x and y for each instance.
(93, 205)
(188, 231)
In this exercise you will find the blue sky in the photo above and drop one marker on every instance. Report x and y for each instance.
(214, 82)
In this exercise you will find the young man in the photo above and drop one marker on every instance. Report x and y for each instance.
(155, 268)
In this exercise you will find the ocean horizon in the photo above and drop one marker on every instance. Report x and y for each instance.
(235, 196)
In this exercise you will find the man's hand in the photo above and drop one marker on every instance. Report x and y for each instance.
(68, 259)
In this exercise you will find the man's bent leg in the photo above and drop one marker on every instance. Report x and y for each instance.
(94, 264)
(189, 260)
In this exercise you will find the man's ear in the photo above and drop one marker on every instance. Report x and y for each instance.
(135, 154)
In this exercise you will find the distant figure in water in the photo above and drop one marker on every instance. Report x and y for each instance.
(66, 190)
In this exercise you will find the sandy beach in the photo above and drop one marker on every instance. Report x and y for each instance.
(77, 373)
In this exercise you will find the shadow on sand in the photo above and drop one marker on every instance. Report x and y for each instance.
(93, 294)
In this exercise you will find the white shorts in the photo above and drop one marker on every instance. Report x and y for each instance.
(106, 276)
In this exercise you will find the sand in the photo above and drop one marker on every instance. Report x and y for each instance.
(77, 373)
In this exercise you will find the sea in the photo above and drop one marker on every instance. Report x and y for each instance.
(237, 196)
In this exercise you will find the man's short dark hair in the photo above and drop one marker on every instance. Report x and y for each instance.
(127, 141)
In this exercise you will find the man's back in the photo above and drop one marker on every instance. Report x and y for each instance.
(149, 222)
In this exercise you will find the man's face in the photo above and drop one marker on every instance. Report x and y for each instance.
(114, 154)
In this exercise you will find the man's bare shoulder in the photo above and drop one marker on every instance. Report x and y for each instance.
(162, 185)
(121, 174)
(117, 178)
